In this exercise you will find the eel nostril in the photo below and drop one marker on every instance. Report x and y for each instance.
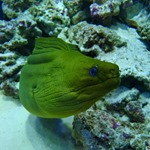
(114, 72)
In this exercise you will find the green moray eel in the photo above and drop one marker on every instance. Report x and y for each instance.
(58, 81)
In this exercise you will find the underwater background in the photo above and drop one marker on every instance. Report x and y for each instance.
(116, 31)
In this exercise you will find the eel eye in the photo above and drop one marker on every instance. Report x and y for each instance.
(93, 71)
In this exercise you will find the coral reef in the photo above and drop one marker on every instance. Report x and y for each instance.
(78, 10)
(98, 129)
(15, 33)
(13, 8)
(144, 32)
(137, 14)
(51, 16)
(127, 103)
(137, 54)
(121, 119)
(74, 7)
(10, 65)
(103, 12)
(16, 37)
(130, 14)
(134, 13)
(92, 37)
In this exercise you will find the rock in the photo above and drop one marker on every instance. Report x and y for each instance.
(13, 8)
(10, 65)
(97, 129)
(144, 32)
(91, 37)
(51, 16)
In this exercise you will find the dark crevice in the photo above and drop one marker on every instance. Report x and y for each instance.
(92, 54)
(132, 82)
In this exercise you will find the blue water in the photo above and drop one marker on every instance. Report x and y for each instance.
(1, 12)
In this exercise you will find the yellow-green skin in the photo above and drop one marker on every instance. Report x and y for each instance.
(56, 81)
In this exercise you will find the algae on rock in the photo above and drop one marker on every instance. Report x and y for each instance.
(144, 32)
(88, 37)
(16, 32)
(13, 8)
(51, 16)
(98, 129)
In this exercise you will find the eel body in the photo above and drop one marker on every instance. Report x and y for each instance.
(58, 81)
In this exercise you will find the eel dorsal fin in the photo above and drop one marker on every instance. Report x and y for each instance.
(44, 47)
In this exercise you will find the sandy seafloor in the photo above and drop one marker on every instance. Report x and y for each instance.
(20, 130)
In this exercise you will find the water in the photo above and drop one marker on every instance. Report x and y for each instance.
(1, 12)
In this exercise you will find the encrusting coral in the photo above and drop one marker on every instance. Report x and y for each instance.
(51, 16)
(144, 32)
(98, 129)
(15, 39)
(13, 8)
(15, 33)
(90, 36)
(10, 65)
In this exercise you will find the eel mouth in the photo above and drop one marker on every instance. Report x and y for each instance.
(112, 82)
(113, 74)
(106, 85)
